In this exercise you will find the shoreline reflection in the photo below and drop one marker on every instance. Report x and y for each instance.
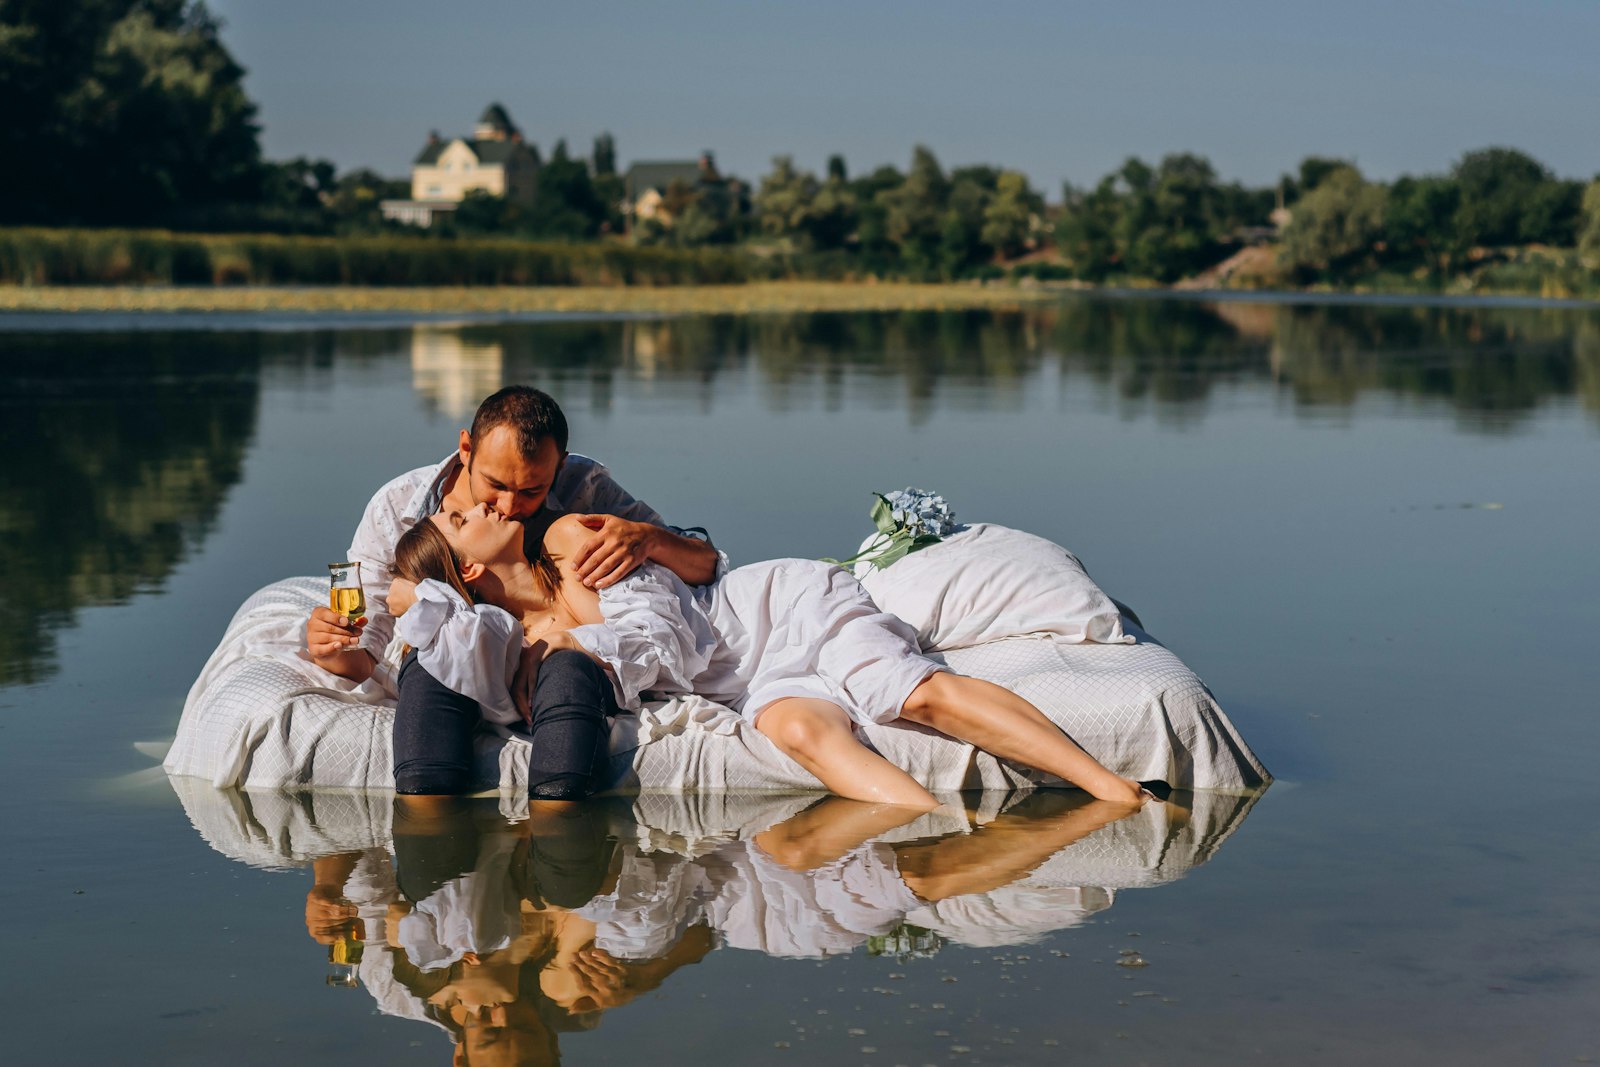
(1493, 366)
(505, 924)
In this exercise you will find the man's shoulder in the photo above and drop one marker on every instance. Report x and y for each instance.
(580, 477)
(398, 491)
(578, 465)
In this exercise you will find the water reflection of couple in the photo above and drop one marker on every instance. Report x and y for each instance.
(476, 928)
(506, 934)
(574, 627)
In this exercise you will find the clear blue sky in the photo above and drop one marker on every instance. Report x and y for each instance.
(1061, 90)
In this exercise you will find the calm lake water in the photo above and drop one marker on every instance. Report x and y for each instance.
(1372, 529)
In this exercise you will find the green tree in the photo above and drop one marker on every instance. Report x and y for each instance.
(1419, 225)
(357, 195)
(834, 213)
(1009, 217)
(1189, 224)
(565, 205)
(142, 86)
(1084, 231)
(1335, 225)
(785, 203)
(1313, 170)
(914, 213)
(1503, 195)
(299, 184)
(605, 155)
(1589, 233)
(711, 217)
(481, 212)
(961, 244)
(608, 186)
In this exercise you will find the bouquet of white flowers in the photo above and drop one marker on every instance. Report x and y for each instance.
(907, 520)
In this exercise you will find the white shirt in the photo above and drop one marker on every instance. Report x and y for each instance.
(582, 485)
(783, 628)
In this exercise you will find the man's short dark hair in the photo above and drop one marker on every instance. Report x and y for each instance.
(532, 413)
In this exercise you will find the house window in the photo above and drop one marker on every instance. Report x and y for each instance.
(433, 190)
(466, 166)
(448, 165)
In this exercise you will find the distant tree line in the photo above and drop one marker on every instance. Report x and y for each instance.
(132, 113)
(1344, 225)
(924, 223)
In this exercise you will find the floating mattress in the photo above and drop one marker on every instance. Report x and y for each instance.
(263, 716)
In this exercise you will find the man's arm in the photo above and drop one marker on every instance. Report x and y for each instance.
(627, 531)
(619, 545)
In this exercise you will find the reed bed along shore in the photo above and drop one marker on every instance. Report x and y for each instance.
(159, 257)
(751, 298)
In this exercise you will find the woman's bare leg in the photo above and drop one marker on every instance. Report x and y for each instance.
(1005, 725)
(1000, 852)
(816, 734)
(828, 829)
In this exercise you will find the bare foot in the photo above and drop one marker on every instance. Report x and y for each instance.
(1118, 790)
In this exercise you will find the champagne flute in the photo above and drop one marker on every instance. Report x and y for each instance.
(344, 590)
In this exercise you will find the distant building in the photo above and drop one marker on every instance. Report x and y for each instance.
(646, 185)
(495, 159)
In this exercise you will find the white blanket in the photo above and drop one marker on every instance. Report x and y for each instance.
(262, 716)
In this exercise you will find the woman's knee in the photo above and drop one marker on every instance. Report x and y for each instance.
(797, 728)
(568, 677)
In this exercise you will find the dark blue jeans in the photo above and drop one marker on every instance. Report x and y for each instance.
(573, 702)
(563, 861)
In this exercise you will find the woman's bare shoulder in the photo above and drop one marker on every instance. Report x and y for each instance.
(565, 536)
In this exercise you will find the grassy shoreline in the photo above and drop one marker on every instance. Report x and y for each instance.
(741, 299)
(753, 297)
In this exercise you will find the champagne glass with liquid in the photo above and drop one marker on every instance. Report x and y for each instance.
(344, 590)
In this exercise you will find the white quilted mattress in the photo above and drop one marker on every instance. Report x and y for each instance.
(261, 716)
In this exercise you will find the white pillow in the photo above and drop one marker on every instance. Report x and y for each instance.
(986, 582)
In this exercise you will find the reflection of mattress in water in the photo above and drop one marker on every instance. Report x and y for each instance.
(261, 716)
(278, 829)
(680, 854)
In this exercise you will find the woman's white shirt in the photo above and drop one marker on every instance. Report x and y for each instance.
(472, 649)
(656, 637)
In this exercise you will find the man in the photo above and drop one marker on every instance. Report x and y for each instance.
(513, 458)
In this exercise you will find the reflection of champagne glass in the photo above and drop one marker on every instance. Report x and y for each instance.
(344, 957)
(344, 594)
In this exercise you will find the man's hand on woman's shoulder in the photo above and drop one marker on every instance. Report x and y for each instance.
(613, 549)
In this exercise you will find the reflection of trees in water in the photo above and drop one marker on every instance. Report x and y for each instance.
(1162, 355)
(915, 351)
(1586, 360)
(1494, 366)
(116, 452)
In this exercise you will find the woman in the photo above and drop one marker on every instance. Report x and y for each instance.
(795, 646)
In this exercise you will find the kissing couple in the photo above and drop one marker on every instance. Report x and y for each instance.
(530, 590)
